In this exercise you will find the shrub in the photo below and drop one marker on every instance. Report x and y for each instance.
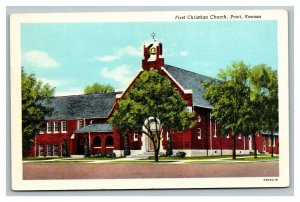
(180, 154)
(169, 151)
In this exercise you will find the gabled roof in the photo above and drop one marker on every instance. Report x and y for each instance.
(190, 80)
(82, 106)
(96, 128)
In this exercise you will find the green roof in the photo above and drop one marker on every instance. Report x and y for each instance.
(95, 128)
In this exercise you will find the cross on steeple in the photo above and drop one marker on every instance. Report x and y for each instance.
(153, 35)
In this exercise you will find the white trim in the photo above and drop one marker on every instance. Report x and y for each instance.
(199, 133)
(47, 149)
(47, 131)
(97, 147)
(215, 129)
(199, 118)
(61, 126)
(54, 123)
(42, 147)
(79, 122)
(203, 106)
(135, 136)
(187, 91)
(53, 150)
(109, 147)
(123, 92)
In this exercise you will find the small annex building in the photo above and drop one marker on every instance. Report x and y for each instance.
(80, 118)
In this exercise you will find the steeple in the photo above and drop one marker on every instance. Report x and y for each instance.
(153, 57)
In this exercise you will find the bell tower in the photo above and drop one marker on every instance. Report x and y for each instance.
(153, 55)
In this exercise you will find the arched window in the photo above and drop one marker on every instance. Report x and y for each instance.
(109, 140)
(97, 142)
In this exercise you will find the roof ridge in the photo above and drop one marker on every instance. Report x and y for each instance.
(189, 71)
(115, 92)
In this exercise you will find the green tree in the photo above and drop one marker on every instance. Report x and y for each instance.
(36, 105)
(229, 95)
(98, 88)
(263, 101)
(150, 105)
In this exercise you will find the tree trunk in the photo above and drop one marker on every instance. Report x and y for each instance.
(156, 154)
(255, 148)
(234, 148)
(221, 146)
(272, 142)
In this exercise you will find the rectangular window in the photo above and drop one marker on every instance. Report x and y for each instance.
(41, 150)
(56, 127)
(55, 150)
(135, 136)
(49, 127)
(63, 126)
(199, 133)
(240, 136)
(48, 150)
(273, 141)
(79, 124)
(269, 141)
(168, 135)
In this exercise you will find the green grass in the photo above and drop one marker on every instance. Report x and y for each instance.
(40, 158)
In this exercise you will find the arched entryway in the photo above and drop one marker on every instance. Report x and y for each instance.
(97, 145)
(80, 145)
(109, 144)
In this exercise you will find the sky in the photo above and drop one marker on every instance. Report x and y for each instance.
(69, 56)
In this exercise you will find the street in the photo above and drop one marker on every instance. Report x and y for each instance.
(37, 171)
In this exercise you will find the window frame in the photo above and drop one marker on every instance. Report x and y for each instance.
(62, 125)
(49, 124)
(48, 148)
(54, 127)
(79, 123)
(199, 133)
(53, 154)
(41, 146)
(135, 136)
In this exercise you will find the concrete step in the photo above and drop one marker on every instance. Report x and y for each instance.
(77, 156)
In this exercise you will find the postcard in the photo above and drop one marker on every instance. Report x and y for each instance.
(149, 100)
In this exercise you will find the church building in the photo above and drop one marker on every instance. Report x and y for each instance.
(80, 118)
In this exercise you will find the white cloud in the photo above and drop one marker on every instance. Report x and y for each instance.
(106, 58)
(120, 74)
(183, 53)
(53, 83)
(73, 91)
(40, 59)
(129, 50)
(118, 53)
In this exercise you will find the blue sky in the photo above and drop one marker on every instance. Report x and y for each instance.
(70, 56)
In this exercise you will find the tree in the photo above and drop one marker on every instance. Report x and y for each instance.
(229, 95)
(264, 100)
(150, 106)
(36, 105)
(64, 148)
(98, 88)
(126, 146)
(86, 148)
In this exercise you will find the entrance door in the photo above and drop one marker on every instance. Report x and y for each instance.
(150, 145)
(80, 145)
